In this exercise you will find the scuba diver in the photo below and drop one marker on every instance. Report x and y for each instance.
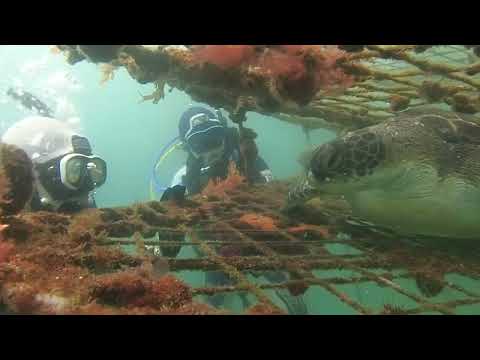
(211, 146)
(30, 102)
(66, 171)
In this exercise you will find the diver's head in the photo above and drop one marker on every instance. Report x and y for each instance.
(65, 169)
(203, 133)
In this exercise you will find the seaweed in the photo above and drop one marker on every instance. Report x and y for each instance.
(223, 56)
(262, 309)
(258, 222)
(219, 189)
(16, 179)
(6, 251)
(301, 84)
(130, 289)
(108, 73)
(72, 264)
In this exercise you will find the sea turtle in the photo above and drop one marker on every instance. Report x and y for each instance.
(417, 174)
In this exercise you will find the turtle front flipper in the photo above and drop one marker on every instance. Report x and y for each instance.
(303, 190)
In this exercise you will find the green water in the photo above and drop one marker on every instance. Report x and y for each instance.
(129, 136)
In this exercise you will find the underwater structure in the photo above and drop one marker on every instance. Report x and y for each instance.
(128, 260)
(315, 86)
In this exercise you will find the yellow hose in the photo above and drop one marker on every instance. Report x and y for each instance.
(159, 162)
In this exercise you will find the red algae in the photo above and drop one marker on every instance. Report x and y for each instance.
(6, 250)
(171, 292)
(20, 298)
(94, 308)
(224, 56)
(323, 61)
(199, 309)
(56, 272)
(281, 64)
(294, 49)
(329, 76)
(119, 289)
(302, 70)
(259, 222)
(304, 228)
(131, 290)
(263, 309)
(219, 188)
(298, 71)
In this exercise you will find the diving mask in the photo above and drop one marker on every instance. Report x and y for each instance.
(72, 174)
(212, 155)
(74, 168)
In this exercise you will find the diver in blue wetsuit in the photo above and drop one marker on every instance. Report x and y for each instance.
(211, 146)
(66, 172)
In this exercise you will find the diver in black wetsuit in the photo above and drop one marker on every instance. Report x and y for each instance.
(66, 171)
(211, 146)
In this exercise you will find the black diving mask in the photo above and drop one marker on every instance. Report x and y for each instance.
(209, 145)
(211, 156)
(72, 174)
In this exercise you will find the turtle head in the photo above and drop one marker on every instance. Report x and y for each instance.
(355, 155)
(348, 163)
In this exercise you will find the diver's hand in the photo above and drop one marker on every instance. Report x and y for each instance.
(266, 175)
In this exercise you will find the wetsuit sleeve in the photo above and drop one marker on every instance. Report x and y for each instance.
(179, 177)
